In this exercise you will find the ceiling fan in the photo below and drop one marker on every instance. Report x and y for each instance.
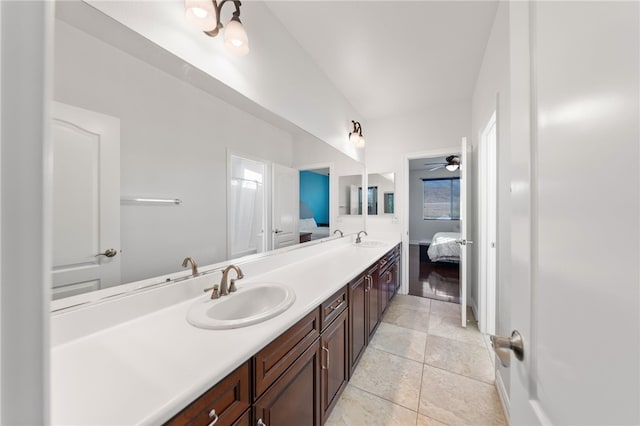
(452, 164)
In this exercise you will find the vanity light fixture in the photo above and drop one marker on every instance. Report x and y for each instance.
(355, 135)
(205, 15)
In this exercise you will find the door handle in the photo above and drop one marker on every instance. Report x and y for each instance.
(277, 231)
(502, 345)
(109, 253)
(464, 242)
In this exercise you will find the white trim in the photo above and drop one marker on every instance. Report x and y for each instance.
(487, 210)
(27, 28)
(504, 395)
(404, 205)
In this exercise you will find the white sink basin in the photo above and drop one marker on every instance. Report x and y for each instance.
(251, 304)
(370, 244)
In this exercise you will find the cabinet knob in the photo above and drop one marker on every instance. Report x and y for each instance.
(213, 416)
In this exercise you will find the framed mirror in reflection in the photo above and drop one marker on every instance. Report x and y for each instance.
(381, 194)
(350, 198)
(142, 175)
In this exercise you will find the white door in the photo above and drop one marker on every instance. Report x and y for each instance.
(86, 201)
(575, 218)
(464, 243)
(286, 203)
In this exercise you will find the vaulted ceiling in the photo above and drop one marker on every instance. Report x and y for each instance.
(392, 57)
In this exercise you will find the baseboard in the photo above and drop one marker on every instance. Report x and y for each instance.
(474, 308)
(502, 392)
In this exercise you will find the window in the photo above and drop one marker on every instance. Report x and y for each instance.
(441, 199)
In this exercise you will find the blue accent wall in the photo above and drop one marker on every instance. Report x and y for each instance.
(314, 191)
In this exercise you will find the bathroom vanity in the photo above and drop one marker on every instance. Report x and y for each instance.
(289, 369)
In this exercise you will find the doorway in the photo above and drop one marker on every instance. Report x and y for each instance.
(434, 228)
(315, 202)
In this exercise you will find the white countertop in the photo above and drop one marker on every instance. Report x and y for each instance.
(145, 370)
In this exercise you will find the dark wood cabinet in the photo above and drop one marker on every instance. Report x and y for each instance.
(334, 344)
(226, 402)
(298, 378)
(358, 311)
(373, 301)
(294, 398)
(277, 356)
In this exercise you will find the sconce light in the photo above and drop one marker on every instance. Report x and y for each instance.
(205, 15)
(355, 135)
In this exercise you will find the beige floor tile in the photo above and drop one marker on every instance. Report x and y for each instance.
(449, 327)
(426, 421)
(459, 357)
(414, 301)
(389, 376)
(400, 341)
(445, 308)
(358, 408)
(457, 400)
(407, 316)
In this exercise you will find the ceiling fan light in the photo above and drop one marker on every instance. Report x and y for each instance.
(452, 167)
(235, 37)
(201, 14)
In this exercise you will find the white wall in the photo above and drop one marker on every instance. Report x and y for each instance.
(173, 145)
(493, 82)
(420, 229)
(277, 74)
(391, 139)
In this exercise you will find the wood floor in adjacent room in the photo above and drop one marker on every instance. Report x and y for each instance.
(439, 280)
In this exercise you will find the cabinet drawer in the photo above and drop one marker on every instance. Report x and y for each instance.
(274, 359)
(229, 398)
(333, 306)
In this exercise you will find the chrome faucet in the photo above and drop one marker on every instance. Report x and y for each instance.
(224, 290)
(194, 267)
(337, 230)
(358, 239)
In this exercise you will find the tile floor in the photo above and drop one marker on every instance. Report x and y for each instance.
(421, 368)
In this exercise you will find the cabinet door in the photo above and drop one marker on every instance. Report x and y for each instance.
(335, 362)
(294, 399)
(225, 402)
(383, 283)
(373, 300)
(358, 310)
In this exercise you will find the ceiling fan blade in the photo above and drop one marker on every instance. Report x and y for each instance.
(437, 167)
(434, 164)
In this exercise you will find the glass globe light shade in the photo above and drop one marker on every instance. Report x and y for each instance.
(235, 38)
(201, 14)
(452, 167)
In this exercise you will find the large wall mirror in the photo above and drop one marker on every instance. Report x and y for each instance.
(143, 173)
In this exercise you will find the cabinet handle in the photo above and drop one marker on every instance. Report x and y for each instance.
(383, 262)
(335, 308)
(261, 423)
(213, 416)
(389, 277)
(327, 350)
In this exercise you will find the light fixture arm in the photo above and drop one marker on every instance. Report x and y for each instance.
(218, 7)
